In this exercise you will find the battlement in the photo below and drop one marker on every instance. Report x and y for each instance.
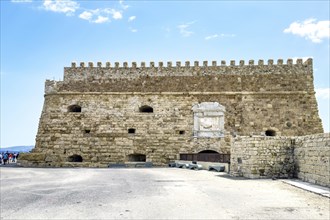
(105, 71)
(179, 64)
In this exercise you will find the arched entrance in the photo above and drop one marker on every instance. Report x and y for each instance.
(208, 155)
(75, 158)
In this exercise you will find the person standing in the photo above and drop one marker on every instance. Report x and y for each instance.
(10, 157)
(5, 158)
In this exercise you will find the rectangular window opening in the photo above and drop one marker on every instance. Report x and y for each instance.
(131, 130)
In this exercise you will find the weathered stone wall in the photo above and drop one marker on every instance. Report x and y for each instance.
(107, 119)
(246, 114)
(303, 157)
(312, 158)
(256, 98)
(262, 157)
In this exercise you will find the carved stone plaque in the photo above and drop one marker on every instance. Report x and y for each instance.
(208, 119)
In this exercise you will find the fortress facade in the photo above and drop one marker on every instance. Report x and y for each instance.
(106, 114)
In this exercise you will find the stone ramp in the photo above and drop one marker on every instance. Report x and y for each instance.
(320, 190)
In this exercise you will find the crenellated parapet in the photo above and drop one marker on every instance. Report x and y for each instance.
(179, 64)
(107, 70)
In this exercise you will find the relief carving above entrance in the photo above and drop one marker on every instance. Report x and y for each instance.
(208, 119)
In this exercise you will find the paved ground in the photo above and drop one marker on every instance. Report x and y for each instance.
(156, 193)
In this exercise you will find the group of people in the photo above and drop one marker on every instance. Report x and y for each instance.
(6, 157)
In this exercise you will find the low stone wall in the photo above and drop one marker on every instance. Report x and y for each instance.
(304, 157)
(262, 157)
(311, 154)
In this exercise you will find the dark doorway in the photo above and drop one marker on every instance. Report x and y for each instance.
(137, 157)
(208, 155)
(75, 158)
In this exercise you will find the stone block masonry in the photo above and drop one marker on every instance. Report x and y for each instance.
(303, 157)
(117, 114)
(110, 127)
(312, 158)
(256, 97)
(262, 157)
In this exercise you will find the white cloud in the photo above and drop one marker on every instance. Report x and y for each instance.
(21, 1)
(61, 6)
(218, 36)
(100, 19)
(101, 15)
(132, 18)
(86, 15)
(227, 35)
(121, 2)
(109, 11)
(211, 37)
(184, 29)
(322, 93)
(310, 29)
(69, 7)
(117, 15)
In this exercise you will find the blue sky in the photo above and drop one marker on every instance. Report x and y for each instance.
(39, 38)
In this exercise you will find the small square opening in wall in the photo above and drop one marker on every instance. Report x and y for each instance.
(131, 130)
(182, 132)
(87, 131)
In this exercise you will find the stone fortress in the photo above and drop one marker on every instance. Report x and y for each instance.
(251, 116)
